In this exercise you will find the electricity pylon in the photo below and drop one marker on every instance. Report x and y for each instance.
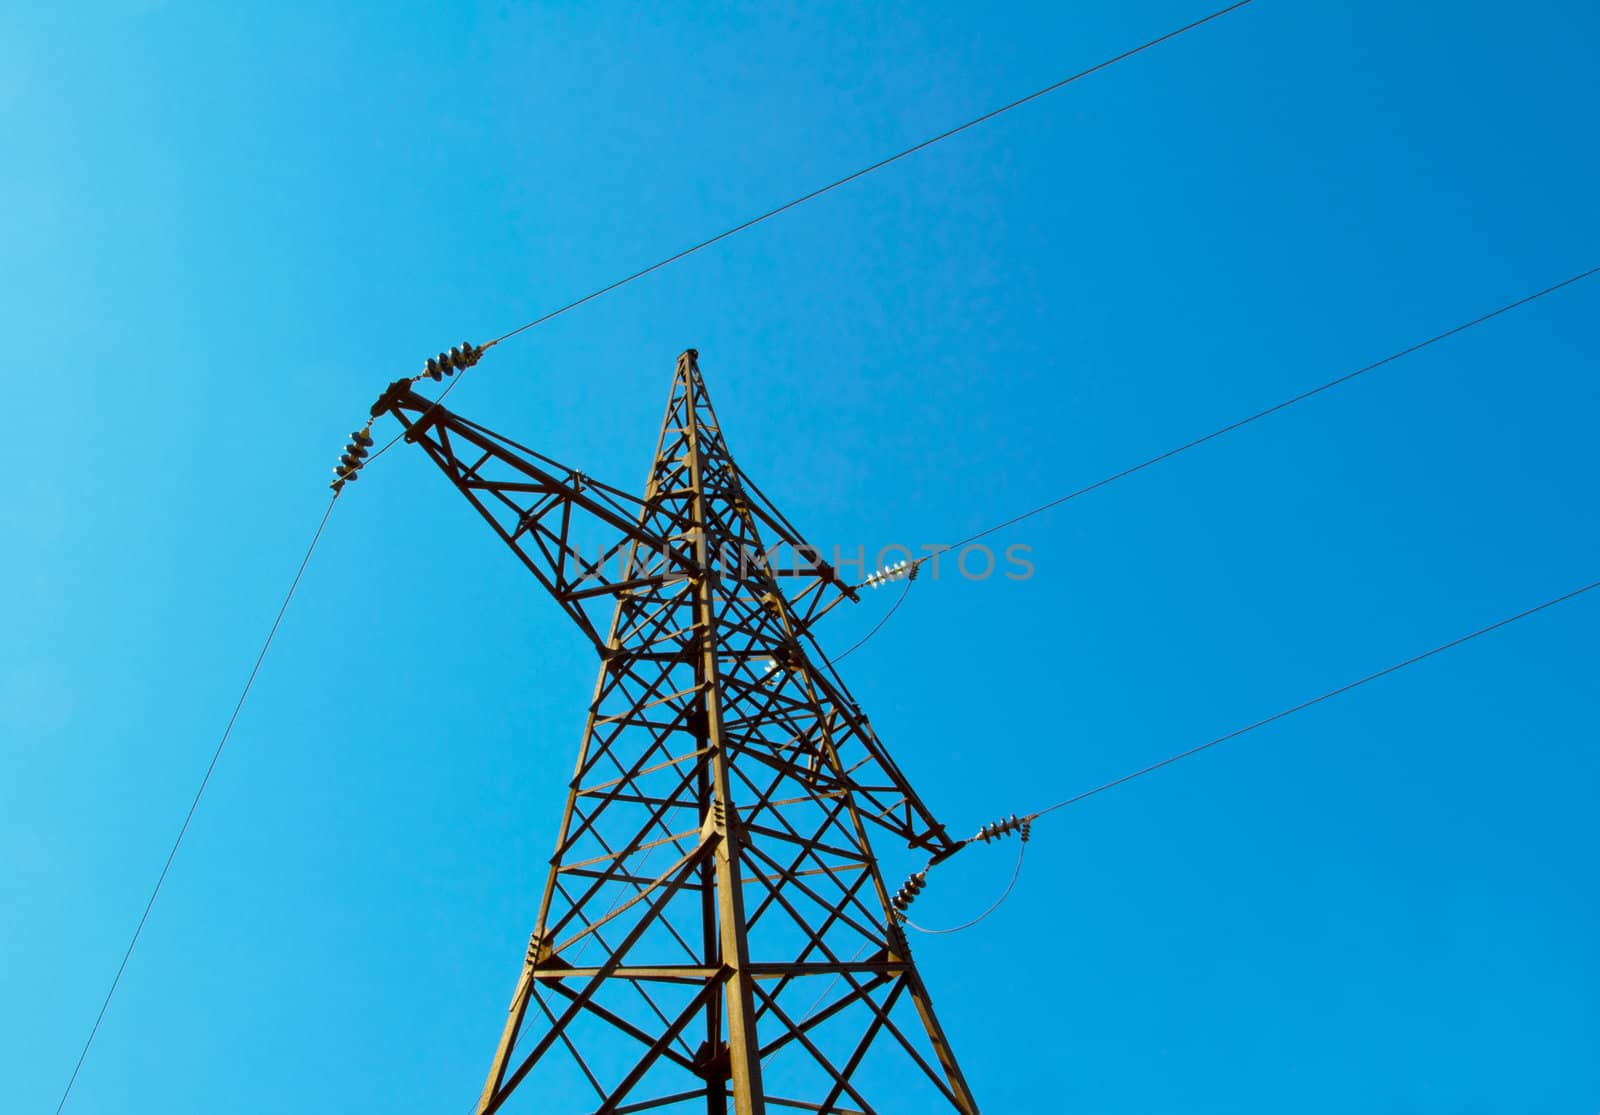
(714, 926)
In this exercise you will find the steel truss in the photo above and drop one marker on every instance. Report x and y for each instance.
(713, 897)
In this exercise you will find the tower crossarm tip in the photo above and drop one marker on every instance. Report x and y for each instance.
(581, 538)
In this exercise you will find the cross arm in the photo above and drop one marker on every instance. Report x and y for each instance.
(814, 588)
(583, 540)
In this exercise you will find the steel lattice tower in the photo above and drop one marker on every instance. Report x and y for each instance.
(714, 926)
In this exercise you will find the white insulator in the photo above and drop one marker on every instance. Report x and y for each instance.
(889, 573)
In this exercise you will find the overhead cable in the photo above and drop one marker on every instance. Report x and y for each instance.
(195, 803)
(811, 195)
(1260, 414)
(1015, 824)
(879, 165)
(1317, 700)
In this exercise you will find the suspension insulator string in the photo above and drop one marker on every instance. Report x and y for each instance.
(355, 457)
(916, 883)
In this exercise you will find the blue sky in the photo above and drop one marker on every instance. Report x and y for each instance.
(228, 226)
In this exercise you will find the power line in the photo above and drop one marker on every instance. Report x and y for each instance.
(1303, 705)
(1260, 414)
(641, 273)
(708, 243)
(1021, 823)
(1232, 426)
(866, 170)
(877, 627)
(195, 804)
(819, 191)
(1214, 434)
(1016, 873)
(392, 442)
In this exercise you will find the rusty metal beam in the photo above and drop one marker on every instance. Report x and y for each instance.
(713, 863)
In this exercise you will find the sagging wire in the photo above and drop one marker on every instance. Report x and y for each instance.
(1016, 873)
(914, 885)
(910, 575)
